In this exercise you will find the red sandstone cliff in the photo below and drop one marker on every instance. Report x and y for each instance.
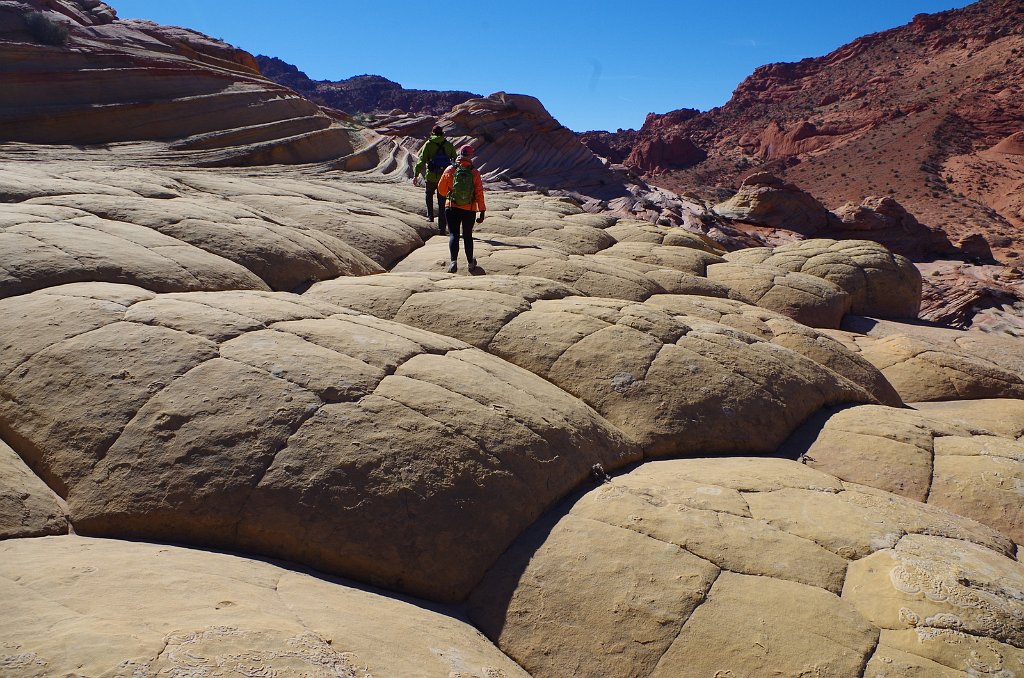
(930, 114)
(362, 93)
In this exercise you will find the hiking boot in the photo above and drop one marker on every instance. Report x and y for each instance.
(430, 217)
(452, 266)
(442, 231)
(472, 263)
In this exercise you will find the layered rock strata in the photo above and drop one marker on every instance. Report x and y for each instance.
(110, 80)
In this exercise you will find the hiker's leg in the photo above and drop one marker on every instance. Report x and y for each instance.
(431, 188)
(454, 221)
(442, 218)
(467, 234)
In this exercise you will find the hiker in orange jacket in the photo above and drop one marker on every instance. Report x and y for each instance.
(463, 189)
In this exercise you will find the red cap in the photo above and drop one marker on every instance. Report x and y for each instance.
(466, 151)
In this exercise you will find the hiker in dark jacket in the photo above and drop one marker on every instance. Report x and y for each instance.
(462, 187)
(435, 155)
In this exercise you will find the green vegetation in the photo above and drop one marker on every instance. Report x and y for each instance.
(45, 30)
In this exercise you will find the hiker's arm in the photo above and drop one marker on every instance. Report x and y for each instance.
(478, 186)
(421, 166)
(444, 185)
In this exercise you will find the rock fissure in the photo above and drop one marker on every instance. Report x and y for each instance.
(142, 407)
(53, 246)
(308, 414)
(174, 262)
(660, 541)
(931, 474)
(482, 447)
(703, 599)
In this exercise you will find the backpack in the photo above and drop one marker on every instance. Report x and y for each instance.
(439, 161)
(463, 187)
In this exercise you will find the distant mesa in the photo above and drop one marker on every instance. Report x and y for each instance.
(361, 93)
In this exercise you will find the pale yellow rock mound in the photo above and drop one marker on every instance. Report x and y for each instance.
(92, 607)
(956, 458)
(626, 230)
(880, 283)
(180, 231)
(784, 331)
(290, 427)
(808, 299)
(728, 566)
(1002, 349)
(505, 255)
(923, 369)
(625, 360)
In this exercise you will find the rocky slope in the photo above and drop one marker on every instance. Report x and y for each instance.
(520, 146)
(361, 93)
(926, 115)
(248, 427)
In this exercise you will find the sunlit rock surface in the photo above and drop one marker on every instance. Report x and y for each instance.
(616, 448)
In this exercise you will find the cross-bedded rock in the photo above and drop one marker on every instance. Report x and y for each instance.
(100, 80)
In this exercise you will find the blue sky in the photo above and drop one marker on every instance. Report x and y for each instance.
(594, 64)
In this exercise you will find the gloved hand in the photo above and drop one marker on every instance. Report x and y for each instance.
(480, 219)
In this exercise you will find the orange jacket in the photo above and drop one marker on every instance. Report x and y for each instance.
(444, 186)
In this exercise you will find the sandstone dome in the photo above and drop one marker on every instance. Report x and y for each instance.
(248, 426)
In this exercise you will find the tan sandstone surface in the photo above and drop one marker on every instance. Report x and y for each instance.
(955, 457)
(872, 276)
(70, 609)
(404, 428)
(579, 459)
(265, 422)
(748, 566)
(923, 365)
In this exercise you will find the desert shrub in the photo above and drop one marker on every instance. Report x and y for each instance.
(45, 30)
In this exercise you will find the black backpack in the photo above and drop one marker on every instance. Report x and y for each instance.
(439, 161)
